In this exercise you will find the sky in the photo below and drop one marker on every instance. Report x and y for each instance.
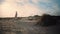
(27, 8)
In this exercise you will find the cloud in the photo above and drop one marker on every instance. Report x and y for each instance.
(49, 6)
(1, 1)
(28, 7)
(28, 10)
(9, 8)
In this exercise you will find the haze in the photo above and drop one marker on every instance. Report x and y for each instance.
(26, 8)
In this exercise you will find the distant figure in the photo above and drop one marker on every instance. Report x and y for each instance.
(16, 15)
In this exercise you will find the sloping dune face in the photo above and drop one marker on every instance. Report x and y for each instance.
(30, 25)
(12, 26)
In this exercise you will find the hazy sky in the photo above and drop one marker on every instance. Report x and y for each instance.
(29, 7)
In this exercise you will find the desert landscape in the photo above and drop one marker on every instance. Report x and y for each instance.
(44, 24)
